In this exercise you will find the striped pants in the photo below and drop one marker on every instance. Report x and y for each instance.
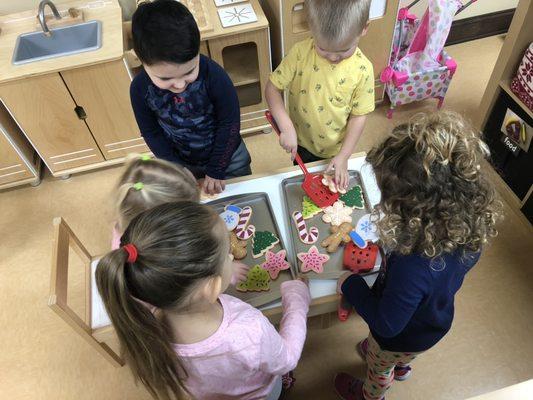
(380, 370)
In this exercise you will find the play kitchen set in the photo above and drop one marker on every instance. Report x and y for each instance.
(274, 228)
(65, 73)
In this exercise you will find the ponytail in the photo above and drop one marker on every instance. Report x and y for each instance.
(165, 252)
(145, 343)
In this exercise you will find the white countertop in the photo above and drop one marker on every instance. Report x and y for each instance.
(272, 186)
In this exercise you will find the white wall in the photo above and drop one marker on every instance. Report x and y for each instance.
(13, 6)
(480, 7)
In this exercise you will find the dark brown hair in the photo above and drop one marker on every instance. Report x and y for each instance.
(434, 197)
(178, 246)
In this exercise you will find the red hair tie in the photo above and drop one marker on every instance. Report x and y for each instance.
(132, 252)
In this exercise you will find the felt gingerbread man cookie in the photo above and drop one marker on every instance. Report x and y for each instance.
(337, 214)
(312, 260)
(257, 280)
(327, 180)
(237, 247)
(275, 262)
(339, 234)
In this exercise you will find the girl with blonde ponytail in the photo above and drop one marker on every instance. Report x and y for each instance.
(436, 214)
(182, 337)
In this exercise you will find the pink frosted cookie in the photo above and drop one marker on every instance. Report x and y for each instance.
(307, 237)
(313, 260)
(275, 262)
(337, 214)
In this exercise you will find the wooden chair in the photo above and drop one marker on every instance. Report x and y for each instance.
(101, 337)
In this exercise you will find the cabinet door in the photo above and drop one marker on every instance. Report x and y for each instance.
(12, 166)
(103, 91)
(45, 111)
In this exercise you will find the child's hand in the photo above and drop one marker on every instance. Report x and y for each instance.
(212, 185)
(288, 140)
(304, 279)
(240, 271)
(341, 280)
(339, 163)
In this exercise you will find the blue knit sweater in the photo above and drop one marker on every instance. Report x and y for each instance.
(200, 126)
(411, 306)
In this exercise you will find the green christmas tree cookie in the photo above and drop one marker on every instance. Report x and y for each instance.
(263, 241)
(354, 198)
(309, 209)
(257, 280)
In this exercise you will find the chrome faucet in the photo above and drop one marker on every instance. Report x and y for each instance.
(41, 17)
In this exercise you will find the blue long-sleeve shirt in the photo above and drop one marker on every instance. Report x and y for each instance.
(411, 306)
(200, 126)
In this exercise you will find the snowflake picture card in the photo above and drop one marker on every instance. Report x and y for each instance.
(237, 15)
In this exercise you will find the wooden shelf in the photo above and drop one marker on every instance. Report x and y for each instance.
(506, 86)
(241, 63)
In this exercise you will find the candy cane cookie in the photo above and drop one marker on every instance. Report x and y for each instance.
(305, 236)
(243, 230)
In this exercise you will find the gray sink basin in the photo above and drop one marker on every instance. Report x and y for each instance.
(66, 40)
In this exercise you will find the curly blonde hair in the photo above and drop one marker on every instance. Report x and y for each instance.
(434, 198)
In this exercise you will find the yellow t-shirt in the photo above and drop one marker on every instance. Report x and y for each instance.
(322, 95)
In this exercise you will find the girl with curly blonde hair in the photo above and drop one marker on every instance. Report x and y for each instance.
(436, 213)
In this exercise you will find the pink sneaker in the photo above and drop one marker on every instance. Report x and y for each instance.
(400, 373)
(348, 387)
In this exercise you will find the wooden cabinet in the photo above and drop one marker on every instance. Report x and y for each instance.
(45, 111)
(289, 26)
(77, 119)
(246, 59)
(102, 91)
(19, 164)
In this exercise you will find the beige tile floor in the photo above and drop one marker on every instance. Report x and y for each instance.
(489, 347)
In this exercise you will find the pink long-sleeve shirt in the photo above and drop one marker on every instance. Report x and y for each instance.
(244, 357)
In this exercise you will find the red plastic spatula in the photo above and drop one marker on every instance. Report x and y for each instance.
(312, 184)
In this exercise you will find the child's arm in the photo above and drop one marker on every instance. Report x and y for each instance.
(287, 138)
(388, 315)
(279, 80)
(227, 138)
(280, 352)
(339, 163)
(151, 131)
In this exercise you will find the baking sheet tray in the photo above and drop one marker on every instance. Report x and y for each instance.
(293, 195)
(263, 220)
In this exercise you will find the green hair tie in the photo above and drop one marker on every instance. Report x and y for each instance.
(145, 157)
(138, 186)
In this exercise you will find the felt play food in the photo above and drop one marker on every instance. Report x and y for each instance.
(360, 260)
(328, 181)
(237, 246)
(275, 262)
(307, 237)
(337, 214)
(263, 241)
(230, 216)
(367, 229)
(312, 260)
(243, 230)
(309, 209)
(257, 280)
(339, 234)
(353, 198)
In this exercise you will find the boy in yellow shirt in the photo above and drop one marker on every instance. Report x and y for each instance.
(330, 84)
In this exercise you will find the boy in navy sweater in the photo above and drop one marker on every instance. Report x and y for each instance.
(185, 104)
(437, 211)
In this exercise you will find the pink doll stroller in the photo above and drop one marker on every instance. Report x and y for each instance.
(419, 67)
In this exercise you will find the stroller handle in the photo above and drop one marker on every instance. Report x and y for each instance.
(458, 11)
